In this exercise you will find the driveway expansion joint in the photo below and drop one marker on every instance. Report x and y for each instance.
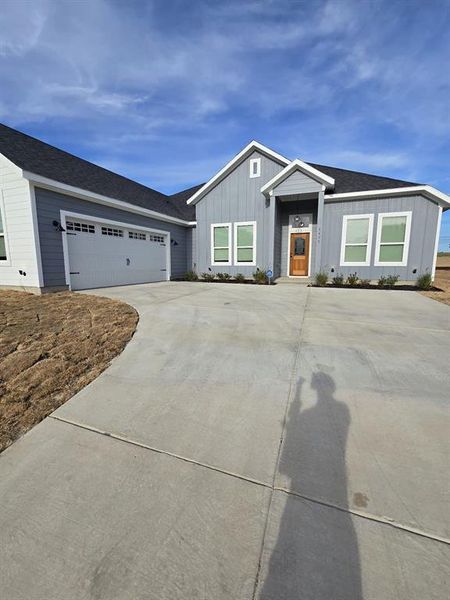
(273, 488)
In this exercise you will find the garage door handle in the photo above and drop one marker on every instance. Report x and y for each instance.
(128, 262)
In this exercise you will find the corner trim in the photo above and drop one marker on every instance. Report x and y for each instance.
(436, 243)
(37, 243)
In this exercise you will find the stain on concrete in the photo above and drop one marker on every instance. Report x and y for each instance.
(360, 500)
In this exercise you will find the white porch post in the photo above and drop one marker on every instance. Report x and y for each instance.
(320, 203)
(271, 246)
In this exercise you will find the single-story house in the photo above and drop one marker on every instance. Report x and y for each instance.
(66, 223)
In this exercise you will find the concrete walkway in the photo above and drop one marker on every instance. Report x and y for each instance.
(250, 442)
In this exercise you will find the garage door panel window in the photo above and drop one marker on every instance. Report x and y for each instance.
(220, 244)
(245, 243)
(80, 227)
(156, 238)
(3, 254)
(112, 231)
(136, 235)
(356, 243)
(393, 239)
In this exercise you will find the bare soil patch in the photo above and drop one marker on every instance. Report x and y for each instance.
(441, 281)
(52, 346)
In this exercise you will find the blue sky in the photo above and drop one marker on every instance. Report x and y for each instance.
(166, 92)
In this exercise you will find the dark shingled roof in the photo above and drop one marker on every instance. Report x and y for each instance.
(180, 199)
(354, 181)
(30, 154)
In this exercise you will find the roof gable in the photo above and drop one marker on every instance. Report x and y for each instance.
(302, 167)
(233, 163)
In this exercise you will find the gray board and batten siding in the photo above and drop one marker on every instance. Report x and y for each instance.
(238, 198)
(48, 207)
(424, 221)
(297, 183)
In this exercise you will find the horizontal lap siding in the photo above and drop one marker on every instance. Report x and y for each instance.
(49, 204)
(237, 198)
(297, 183)
(18, 225)
(422, 240)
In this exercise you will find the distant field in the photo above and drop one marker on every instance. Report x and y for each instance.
(441, 280)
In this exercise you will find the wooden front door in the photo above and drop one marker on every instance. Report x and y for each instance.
(299, 254)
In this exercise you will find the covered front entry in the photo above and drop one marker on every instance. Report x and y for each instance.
(299, 254)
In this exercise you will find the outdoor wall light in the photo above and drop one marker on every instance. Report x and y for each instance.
(174, 242)
(57, 225)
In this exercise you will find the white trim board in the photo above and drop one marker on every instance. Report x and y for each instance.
(65, 213)
(345, 220)
(297, 165)
(436, 243)
(404, 262)
(7, 262)
(70, 190)
(427, 190)
(251, 147)
(37, 244)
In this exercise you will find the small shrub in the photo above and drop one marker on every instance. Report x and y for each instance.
(239, 278)
(424, 281)
(191, 276)
(260, 277)
(338, 280)
(352, 279)
(382, 282)
(321, 279)
(223, 276)
(391, 280)
(364, 282)
(208, 276)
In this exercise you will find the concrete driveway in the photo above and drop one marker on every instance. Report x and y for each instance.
(250, 442)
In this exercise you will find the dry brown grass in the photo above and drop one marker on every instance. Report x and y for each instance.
(442, 281)
(51, 346)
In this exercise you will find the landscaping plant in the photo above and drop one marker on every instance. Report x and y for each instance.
(424, 281)
(338, 280)
(352, 279)
(260, 277)
(382, 282)
(391, 280)
(191, 276)
(239, 278)
(364, 282)
(223, 276)
(321, 278)
(208, 276)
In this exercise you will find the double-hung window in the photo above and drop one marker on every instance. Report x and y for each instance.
(220, 244)
(3, 254)
(393, 233)
(356, 243)
(245, 243)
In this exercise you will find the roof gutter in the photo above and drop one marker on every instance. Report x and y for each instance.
(71, 190)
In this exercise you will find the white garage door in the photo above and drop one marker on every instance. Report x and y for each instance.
(105, 254)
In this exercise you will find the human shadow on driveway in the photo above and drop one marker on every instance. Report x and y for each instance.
(315, 555)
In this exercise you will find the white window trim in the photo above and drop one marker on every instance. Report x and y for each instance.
(257, 162)
(7, 262)
(221, 263)
(235, 247)
(345, 220)
(404, 262)
(71, 215)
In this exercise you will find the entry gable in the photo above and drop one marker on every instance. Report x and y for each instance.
(233, 163)
(297, 177)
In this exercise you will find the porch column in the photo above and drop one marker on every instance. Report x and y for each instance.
(319, 228)
(271, 237)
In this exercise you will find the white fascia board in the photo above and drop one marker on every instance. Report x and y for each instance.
(70, 190)
(230, 165)
(426, 190)
(5, 159)
(298, 165)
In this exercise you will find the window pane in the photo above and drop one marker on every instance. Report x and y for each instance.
(220, 236)
(357, 231)
(393, 229)
(245, 255)
(221, 255)
(2, 248)
(392, 253)
(245, 235)
(355, 253)
(299, 246)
